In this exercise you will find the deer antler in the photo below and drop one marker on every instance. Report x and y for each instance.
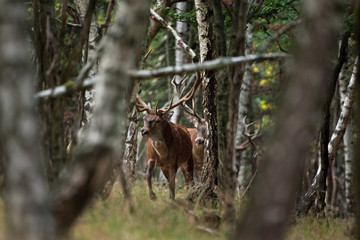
(141, 106)
(185, 98)
(180, 87)
(251, 137)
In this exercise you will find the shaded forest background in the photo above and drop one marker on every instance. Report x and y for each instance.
(278, 96)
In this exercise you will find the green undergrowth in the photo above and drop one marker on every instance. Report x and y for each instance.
(165, 219)
(160, 219)
(311, 227)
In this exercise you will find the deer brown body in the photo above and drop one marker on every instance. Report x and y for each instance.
(198, 134)
(169, 147)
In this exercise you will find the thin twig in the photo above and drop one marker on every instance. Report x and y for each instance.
(279, 33)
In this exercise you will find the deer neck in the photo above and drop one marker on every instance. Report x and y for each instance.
(161, 140)
(163, 133)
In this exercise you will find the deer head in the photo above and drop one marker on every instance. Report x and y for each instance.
(154, 117)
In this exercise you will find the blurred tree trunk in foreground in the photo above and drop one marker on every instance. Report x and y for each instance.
(279, 174)
(29, 206)
(100, 146)
(28, 211)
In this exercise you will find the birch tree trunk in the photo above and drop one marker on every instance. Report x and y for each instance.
(181, 28)
(101, 145)
(208, 178)
(244, 105)
(89, 51)
(27, 210)
(345, 131)
(279, 174)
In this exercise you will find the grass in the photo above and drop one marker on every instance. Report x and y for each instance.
(311, 227)
(164, 219)
(160, 219)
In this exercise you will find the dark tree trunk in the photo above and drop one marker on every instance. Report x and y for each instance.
(321, 186)
(208, 178)
(236, 74)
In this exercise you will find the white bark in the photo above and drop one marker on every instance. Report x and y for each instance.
(348, 148)
(344, 115)
(243, 111)
(88, 53)
(181, 28)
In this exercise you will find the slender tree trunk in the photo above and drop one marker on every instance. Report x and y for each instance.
(356, 167)
(244, 105)
(98, 149)
(48, 60)
(348, 156)
(89, 51)
(319, 184)
(131, 148)
(181, 28)
(208, 178)
(343, 129)
(222, 90)
(27, 208)
(279, 175)
(237, 47)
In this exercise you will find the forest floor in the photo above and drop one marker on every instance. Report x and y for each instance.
(164, 219)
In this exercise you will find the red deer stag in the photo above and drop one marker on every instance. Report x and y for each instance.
(169, 144)
(198, 134)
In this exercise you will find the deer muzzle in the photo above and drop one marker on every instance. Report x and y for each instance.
(144, 131)
(199, 140)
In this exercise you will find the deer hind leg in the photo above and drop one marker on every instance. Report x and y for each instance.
(149, 173)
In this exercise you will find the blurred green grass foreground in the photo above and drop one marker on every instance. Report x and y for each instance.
(164, 219)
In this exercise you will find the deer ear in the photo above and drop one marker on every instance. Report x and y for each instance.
(168, 114)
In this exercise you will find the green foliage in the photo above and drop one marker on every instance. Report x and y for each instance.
(189, 17)
(348, 20)
(275, 11)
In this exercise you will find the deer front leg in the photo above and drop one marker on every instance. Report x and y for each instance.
(172, 176)
(149, 172)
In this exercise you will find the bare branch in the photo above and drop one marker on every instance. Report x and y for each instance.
(279, 33)
(178, 39)
(169, 70)
(206, 65)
